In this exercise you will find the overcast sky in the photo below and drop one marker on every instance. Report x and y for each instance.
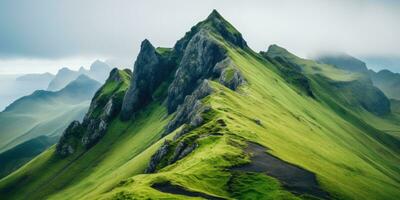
(45, 35)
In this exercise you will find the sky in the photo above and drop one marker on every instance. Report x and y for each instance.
(46, 35)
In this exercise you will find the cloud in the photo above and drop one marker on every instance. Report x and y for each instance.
(48, 29)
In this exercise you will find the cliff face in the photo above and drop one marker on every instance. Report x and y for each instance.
(198, 56)
(105, 105)
(150, 70)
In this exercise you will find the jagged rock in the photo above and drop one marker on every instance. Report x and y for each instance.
(216, 23)
(66, 144)
(199, 59)
(182, 150)
(104, 107)
(191, 109)
(157, 157)
(229, 75)
(150, 70)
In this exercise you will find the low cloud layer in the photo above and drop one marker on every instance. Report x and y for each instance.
(49, 29)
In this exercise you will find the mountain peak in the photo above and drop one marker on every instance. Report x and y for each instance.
(215, 14)
(219, 26)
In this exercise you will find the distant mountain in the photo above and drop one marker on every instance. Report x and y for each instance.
(45, 112)
(13, 87)
(45, 77)
(388, 82)
(385, 80)
(98, 71)
(343, 61)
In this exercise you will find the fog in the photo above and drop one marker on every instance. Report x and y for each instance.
(43, 35)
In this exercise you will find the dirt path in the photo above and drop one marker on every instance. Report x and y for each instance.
(293, 178)
(175, 189)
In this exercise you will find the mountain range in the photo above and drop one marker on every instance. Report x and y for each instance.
(42, 115)
(210, 118)
(98, 71)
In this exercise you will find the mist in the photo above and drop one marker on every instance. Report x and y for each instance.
(53, 31)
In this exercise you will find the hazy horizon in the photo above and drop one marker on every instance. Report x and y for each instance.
(45, 36)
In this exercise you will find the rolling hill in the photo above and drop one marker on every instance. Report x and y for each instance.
(212, 119)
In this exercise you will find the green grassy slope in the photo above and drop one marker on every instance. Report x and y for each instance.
(352, 158)
(348, 163)
(14, 158)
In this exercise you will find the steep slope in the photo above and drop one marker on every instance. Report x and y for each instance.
(343, 61)
(388, 82)
(210, 126)
(14, 158)
(98, 71)
(44, 112)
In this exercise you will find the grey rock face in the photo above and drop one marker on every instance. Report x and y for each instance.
(191, 109)
(229, 74)
(150, 70)
(95, 123)
(157, 157)
(216, 23)
(198, 61)
(182, 150)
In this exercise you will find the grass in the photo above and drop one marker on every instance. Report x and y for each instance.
(257, 186)
(349, 154)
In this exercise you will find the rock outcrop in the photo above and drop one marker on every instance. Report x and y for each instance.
(105, 106)
(158, 156)
(150, 70)
(189, 112)
(198, 61)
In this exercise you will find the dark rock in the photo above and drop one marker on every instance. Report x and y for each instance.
(191, 109)
(150, 70)
(103, 108)
(217, 24)
(67, 143)
(182, 150)
(258, 122)
(199, 59)
(157, 157)
(229, 75)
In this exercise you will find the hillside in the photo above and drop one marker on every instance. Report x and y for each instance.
(210, 118)
(388, 82)
(44, 112)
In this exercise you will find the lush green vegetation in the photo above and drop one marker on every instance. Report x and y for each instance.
(351, 157)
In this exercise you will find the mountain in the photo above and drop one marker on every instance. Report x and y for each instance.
(14, 87)
(98, 71)
(388, 82)
(343, 61)
(385, 80)
(45, 77)
(44, 112)
(210, 118)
